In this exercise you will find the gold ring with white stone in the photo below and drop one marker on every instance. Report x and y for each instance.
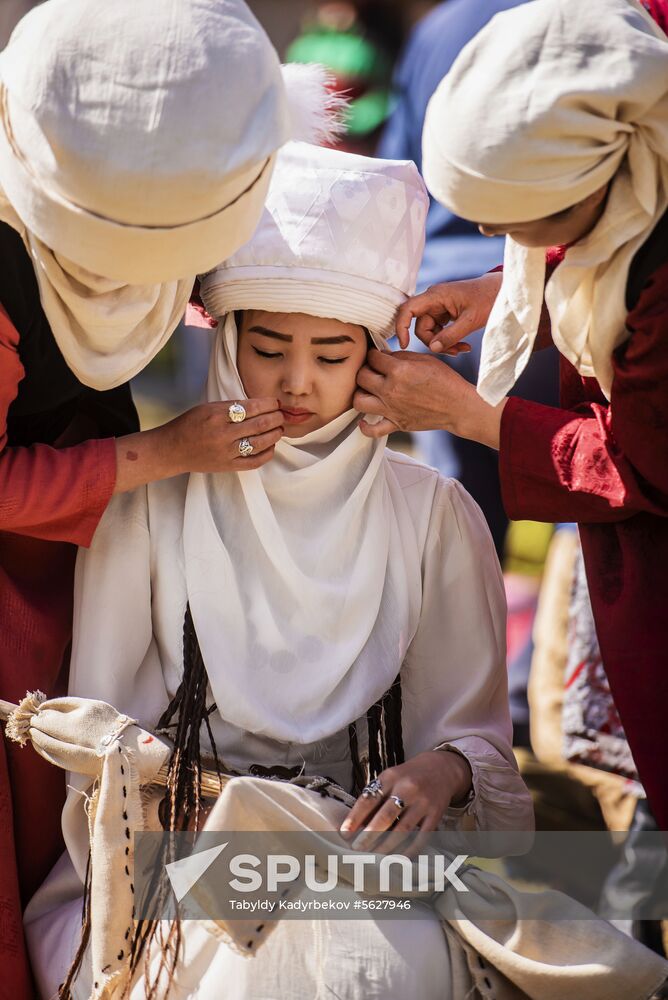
(245, 448)
(237, 413)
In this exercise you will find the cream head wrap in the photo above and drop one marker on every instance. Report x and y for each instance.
(136, 147)
(341, 237)
(549, 102)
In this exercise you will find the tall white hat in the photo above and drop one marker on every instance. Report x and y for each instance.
(341, 237)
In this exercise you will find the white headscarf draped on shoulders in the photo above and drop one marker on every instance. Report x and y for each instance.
(137, 142)
(303, 586)
(549, 102)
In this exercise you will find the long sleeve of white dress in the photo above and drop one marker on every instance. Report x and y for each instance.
(114, 655)
(454, 682)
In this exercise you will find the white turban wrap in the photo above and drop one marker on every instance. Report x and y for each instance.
(137, 142)
(549, 102)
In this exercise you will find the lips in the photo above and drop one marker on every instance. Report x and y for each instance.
(295, 416)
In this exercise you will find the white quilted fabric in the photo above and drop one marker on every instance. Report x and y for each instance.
(341, 236)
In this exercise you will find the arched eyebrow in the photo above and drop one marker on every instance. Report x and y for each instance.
(271, 333)
(275, 335)
(343, 339)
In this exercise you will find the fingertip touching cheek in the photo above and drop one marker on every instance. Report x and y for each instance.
(308, 363)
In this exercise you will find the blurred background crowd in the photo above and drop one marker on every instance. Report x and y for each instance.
(388, 57)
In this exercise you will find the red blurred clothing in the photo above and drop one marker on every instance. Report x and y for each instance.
(53, 490)
(606, 467)
(55, 496)
(659, 11)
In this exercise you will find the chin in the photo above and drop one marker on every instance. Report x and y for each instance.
(300, 430)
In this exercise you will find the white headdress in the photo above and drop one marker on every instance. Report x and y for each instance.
(136, 147)
(341, 236)
(547, 104)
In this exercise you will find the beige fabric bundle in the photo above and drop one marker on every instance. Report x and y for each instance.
(136, 146)
(549, 102)
(91, 738)
(565, 955)
(74, 733)
(561, 956)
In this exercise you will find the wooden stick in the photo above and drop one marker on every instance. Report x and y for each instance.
(212, 783)
(6, 709)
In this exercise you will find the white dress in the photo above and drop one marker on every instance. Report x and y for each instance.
(130, 601)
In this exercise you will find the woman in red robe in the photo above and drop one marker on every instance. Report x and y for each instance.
(563, 142)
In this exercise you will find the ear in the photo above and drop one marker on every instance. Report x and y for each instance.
(597, 197)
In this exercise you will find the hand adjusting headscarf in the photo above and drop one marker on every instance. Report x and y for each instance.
(549, 102)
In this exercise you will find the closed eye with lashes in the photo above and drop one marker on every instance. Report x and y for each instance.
(278, 354)
(267, 354)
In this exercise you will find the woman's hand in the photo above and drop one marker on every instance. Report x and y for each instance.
(203, 439)
(417, 392)
(426, 784)
(464, 305)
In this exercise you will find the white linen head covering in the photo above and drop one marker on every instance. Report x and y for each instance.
(303, 577)
(341, 236)
(549, 102)
(136, 148)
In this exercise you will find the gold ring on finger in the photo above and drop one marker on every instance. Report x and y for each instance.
(245, 448)
(237, 413)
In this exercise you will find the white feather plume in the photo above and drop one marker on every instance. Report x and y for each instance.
(317, 114)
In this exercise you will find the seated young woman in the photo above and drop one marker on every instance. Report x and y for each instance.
(339, 611)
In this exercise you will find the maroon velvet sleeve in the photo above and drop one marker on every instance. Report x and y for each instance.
(601, 463)
(50, 493)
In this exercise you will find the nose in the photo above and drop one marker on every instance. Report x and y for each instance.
(297, 379)
(490, 230)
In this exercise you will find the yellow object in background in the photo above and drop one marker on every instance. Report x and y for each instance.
(527, 543)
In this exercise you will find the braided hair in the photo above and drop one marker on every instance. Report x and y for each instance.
(182, 806)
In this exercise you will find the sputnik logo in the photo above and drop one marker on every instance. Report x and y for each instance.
(185, 873)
